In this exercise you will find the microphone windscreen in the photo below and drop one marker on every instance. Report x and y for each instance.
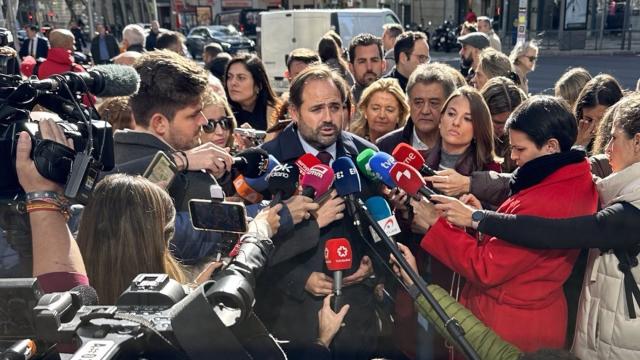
(337, 254)
(378, 208)
(347, 178)
(252, 162)
(284, 179)
(306, 162)
(363, 163)
(320, 178)
(246, 191)
(408, 155)
(260, 184)
(380, 164)
(87, 294)
(407, 178)
(115, 80)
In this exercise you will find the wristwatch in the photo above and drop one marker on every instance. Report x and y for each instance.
(476, 217)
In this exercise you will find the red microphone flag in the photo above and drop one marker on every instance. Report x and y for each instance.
(337, 254)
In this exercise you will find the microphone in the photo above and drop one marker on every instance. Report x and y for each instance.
(250, 188)
(409, 180)
(246, 191)
(362, 161)
(252, 162)
(21, 350)
(408, 155)
(347, 184)
(283, 182)
(381, 213)
(380, 164)
(337, 257)
(317, 181)
(101, 80)
(306, 162)
(87, 295)
(260, 183)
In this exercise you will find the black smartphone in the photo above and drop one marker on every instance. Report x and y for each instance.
(220, 216)
(161, 171)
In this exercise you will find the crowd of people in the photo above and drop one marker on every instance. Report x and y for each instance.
(531, 229)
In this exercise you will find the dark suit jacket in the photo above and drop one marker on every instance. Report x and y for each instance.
(42, 48)
(112, 48)
(282, 302)
(403, 135)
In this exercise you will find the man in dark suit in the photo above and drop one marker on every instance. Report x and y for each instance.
(290, 294)
(428, 88)
(35, 45)
(410, 50)
(104, 46)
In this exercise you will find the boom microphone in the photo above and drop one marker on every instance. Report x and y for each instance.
(337, 257)
(317, 181)
(283, 182)
(409, 180)
(408, 155)
(380, 164)
(101, 80)
(252, 162)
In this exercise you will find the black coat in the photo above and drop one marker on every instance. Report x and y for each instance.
(389, 141)
(282, 302)
(112, 48)
(42, 48)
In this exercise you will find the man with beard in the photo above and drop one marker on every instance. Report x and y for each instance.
(167, 111)
(472, 45)
(366, 62)
(411, 49)
(291, 292)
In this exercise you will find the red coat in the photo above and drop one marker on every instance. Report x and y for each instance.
(515, 291)
(59, 60)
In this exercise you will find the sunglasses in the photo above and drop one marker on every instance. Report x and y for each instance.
(532, 58)
(210, 126)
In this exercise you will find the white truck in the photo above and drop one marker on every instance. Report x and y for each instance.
(282, 31)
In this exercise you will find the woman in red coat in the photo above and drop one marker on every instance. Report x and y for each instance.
(517, 291)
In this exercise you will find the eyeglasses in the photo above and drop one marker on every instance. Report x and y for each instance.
(210, 126)
(422, 59)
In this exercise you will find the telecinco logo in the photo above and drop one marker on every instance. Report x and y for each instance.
(405, 173)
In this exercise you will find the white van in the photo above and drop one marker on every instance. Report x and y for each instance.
(282, 31)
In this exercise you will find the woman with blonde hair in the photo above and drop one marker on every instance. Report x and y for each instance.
(382, 109)
(570, 84)
(524, 57)
(491, 64)
(220, 120)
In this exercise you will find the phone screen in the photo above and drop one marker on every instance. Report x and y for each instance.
(218, 216)
(161, 170)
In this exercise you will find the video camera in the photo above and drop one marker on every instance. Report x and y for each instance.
(154, 318)
(92, 138)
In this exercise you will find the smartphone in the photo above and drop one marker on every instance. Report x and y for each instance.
(220, 216)
(161, 171)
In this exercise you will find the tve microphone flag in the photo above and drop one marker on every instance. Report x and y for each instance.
(317, 181)
(408, 155)
(380, 165)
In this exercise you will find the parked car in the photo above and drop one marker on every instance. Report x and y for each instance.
(245, 20)
(227, 36)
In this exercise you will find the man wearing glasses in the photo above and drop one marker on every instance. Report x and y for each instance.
(411, 49)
